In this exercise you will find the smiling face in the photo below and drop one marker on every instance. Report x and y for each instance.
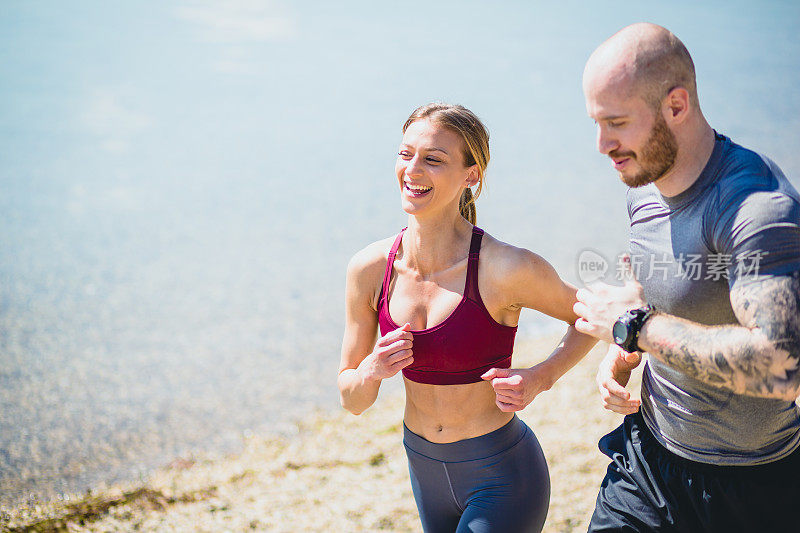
(430, 168)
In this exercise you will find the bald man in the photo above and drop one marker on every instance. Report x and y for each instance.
(712, 295)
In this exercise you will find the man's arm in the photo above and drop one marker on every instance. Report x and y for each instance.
(761, 357)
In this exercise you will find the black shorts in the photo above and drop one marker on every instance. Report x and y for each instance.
(649, 488)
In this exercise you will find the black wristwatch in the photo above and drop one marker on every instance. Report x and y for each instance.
(626, 329)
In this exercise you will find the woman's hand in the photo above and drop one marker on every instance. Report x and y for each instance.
(515, 388)
(392, 353)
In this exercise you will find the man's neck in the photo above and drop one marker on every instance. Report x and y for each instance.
(694, 152)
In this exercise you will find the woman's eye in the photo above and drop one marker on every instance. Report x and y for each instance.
(433, 160)
(615, 124)
(404, 154)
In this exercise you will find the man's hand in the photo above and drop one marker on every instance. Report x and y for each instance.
(515, 388)
(600, 305)
(612, 377)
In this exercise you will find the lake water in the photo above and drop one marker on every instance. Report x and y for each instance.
(183, 183)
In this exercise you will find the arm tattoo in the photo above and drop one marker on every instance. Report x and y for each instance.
(761, 357)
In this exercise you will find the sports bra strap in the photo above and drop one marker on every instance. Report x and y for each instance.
(471, 286)
(387, 275)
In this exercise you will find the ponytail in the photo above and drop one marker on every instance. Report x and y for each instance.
(466, 205)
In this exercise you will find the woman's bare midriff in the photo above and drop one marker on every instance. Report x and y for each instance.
(448, 413)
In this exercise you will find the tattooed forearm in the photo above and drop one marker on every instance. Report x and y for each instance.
(760, 357)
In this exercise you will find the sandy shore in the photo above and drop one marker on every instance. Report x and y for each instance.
(338, 473)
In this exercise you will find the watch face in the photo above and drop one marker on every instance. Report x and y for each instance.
(619, 332)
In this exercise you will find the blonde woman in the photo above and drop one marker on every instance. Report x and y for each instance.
(446, 299)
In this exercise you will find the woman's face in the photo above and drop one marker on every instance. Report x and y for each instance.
(430, 168)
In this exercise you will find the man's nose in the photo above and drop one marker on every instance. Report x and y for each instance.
(605, 142)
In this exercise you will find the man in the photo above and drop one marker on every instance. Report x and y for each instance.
(715, 243)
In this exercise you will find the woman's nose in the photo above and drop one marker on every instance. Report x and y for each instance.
(413, 167)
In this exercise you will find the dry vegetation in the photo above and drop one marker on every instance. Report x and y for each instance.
(338, 473)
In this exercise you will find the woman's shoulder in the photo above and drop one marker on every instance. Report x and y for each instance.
(365, 272)
(505, 260)
(517, 277)
(372, 258)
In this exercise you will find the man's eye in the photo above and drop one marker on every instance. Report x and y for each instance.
(615, 124)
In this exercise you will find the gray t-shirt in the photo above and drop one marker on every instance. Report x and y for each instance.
(739, 222)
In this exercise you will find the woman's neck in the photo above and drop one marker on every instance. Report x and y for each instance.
(433, 245)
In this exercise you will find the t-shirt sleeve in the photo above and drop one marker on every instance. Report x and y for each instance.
(759, 234)
(629, 202)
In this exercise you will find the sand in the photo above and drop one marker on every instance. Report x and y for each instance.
(338, 473)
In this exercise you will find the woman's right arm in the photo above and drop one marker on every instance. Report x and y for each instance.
(366, 363)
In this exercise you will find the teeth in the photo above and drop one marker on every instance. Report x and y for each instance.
(418, 188)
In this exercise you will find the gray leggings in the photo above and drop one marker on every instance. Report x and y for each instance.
(497, 482)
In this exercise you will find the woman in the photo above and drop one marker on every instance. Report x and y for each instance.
(447, 299)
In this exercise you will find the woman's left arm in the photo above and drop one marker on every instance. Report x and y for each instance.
(527, 280)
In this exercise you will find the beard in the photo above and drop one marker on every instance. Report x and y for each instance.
(656, 157)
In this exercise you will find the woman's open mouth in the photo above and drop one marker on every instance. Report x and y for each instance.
(416, 190)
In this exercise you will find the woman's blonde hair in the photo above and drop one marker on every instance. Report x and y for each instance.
(460, 120)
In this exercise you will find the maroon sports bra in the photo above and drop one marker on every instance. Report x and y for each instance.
(469, 341)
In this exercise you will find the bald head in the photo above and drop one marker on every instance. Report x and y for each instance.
(645, 60)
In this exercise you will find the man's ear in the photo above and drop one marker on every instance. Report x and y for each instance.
(676, 105)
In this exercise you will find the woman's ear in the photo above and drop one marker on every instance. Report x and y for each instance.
(473, 175)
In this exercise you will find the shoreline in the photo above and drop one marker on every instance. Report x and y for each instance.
(339, 472)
